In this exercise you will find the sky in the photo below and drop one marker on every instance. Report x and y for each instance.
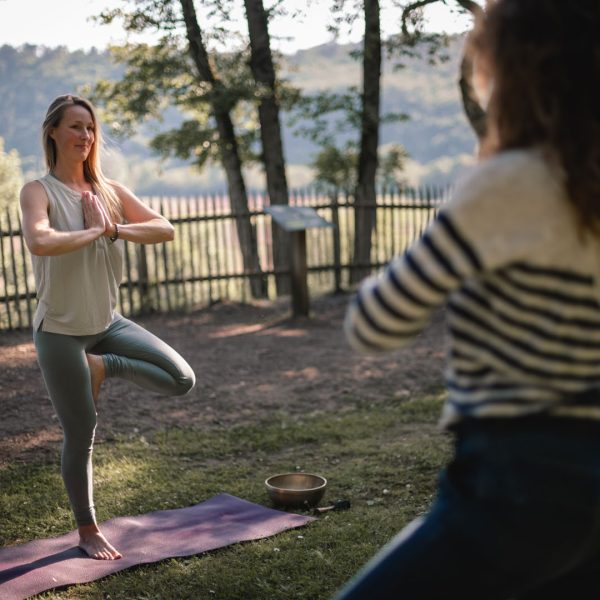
(67, 23)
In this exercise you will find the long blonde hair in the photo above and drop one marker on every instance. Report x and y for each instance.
(92, 170)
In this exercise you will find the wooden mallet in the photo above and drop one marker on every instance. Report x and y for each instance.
(337, 505)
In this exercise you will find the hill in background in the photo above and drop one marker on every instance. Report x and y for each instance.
(437, 136)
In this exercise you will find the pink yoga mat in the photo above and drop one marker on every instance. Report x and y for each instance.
(41, 565)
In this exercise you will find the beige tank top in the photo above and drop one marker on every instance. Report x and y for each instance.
(77, 292)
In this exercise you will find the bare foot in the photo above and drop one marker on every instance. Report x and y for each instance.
(97, 375)
(95, 545)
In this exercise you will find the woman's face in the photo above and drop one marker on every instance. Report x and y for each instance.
(75, 134)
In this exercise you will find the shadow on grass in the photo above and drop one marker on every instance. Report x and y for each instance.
(384, 458)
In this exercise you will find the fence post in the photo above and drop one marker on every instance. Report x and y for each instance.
(298, 273)
(143, 283)
(165, 260)
(25, 273)
(337, 254)
(129, 280)
(13, 261)
(5, 277)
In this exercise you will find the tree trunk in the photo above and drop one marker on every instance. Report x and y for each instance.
(474, 111)
(365, 197)
(229, 152)
(261, 64)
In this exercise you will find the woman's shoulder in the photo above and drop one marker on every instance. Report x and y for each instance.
(510, 204)
(509, 177)
(119, 188)
(40, 184)
(34, 196)
(34, 188)
(512, 168)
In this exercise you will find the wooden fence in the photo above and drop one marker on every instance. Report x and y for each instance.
(204, 264)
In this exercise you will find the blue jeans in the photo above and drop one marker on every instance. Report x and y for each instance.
(517, 516)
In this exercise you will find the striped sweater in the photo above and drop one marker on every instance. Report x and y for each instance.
(521, 282)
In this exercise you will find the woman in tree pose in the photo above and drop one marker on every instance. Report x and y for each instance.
(515, 255)
(74, 223)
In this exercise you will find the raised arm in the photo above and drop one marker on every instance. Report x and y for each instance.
(503, 211)
(41, 238)
(393, 307)
(143, 225)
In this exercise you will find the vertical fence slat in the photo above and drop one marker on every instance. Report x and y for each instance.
(191, 250)
(165, 263)
(13, 262)
(348, 228)
(223, 250)
(215, 246)
(143, 284)
(157, 277)
(5, 278)
(153, 269)
(207, 250)
(24, 262)
(128, 281)
(268, 225)
(228, 241)
(200, 237)
(183, 263)
(396, 231)
(337, 256)
(239, 262)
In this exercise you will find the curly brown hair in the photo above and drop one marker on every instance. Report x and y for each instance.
(542, 59)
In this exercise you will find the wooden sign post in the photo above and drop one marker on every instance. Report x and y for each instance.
(296, 220)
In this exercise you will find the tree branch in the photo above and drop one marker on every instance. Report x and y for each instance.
(407, 10)
(473, 110)
(468, 5)
(475, 9)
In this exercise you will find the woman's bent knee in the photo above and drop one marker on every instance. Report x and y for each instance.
(185, 382)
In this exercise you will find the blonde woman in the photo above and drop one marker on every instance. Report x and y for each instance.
(74, 224)
(515, 256)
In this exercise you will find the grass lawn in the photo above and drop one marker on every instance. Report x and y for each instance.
(384, 459)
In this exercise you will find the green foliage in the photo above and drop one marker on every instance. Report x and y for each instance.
(391, 166)
(437, 136)
(11, 178)
(384, 458)
(324, 116)
(163, 75)
(31, 77)
(141, 94)
(336, 169)
(144, 15)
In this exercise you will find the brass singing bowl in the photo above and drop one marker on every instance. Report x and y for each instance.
(296, 490)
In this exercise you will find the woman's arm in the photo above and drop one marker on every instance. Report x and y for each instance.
(390, 309)
(41, 238)
(143, 224)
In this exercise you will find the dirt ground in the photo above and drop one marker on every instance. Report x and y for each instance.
(251, 361)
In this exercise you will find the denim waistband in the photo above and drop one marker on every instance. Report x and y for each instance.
(531, 423)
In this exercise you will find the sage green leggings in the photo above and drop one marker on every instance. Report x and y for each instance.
(129, 352)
